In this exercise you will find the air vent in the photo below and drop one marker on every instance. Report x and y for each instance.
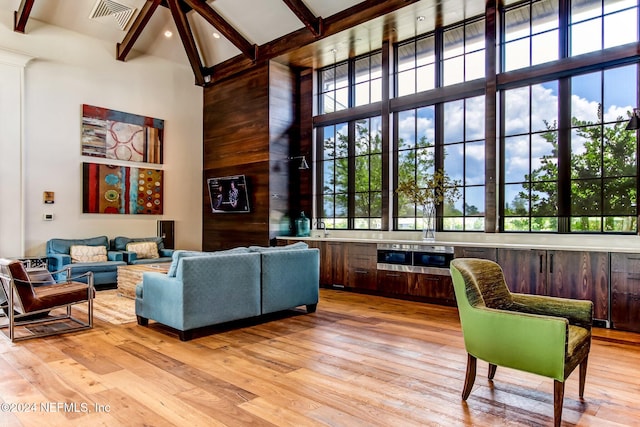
(120, 12)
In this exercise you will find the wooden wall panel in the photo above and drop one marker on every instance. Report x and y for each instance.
(251, 126)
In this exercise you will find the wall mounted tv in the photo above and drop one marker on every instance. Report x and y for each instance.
(228, 194)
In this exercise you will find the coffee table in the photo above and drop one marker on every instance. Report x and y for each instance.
(130, 275)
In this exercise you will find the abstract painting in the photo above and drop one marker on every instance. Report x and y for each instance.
(116, 135)
(113, 189)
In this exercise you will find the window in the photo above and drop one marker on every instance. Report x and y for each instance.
(530, 34)
(416, 65)
(334, 88)
(415, 159)
(463, 53)
(601, 24)
(368, 79)
(335, 175)
(530, 158)
(603, 153)
(464, 162)
(352, 175)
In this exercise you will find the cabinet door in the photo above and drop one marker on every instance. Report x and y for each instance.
(333, 264)
(625, 291)
(580, 275)
(434, 287)
(473, 252)
(362, 265)
(524, 270)
(393, 282)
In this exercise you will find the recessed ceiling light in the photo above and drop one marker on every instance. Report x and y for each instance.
(168, 34)
(216, 35)
(334, 50)
(420, 18)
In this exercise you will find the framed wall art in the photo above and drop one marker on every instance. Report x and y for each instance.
(110, 189)
(123, 136)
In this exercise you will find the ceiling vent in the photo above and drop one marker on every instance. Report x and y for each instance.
(120, 12)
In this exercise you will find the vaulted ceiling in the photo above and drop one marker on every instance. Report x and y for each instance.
(218, 38)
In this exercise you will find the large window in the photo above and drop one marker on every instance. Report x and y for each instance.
(352, 175)
(603, 153)
(530, 159)
(463, 53)
(464, 158)
(530, 34)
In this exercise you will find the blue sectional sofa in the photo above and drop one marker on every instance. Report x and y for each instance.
(105, 272)
(131, 257)
(207, 288)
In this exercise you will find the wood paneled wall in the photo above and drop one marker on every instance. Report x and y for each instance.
(251, 126)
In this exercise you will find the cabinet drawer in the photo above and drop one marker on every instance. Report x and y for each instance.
(363, 278)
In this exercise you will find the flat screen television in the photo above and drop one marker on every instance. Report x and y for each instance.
(228, 194)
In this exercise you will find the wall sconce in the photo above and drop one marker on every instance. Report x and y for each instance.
(303, 163)
(633, 122)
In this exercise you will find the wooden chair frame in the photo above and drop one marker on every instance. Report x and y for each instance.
(18, 317)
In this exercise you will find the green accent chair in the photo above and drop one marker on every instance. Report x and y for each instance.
(543, 335)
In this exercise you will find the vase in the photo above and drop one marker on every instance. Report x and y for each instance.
(429, 222)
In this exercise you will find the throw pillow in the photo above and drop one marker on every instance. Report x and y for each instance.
(81, 253)
(144, 250)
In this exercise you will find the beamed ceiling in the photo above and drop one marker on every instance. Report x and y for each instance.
(305, 33)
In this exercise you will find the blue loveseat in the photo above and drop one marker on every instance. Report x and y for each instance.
(208, 288)
(130, 257)
(105, 273)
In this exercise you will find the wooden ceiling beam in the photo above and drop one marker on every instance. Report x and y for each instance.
(212, 17)
(304, 14)
(186, 35)
(122, 49)
(355, 15)
(21, 16)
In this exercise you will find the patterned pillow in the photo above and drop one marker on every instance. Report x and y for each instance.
(81, 253)
(144, 249)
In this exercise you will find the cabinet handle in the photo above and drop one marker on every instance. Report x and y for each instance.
(362, 272)
(551, 263)
(393, 275)
(540, 263)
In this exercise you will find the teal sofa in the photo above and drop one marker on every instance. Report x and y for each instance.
(120, 244)
(208, 288)
(105, 273)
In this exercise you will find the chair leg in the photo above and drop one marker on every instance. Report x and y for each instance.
(470, 377)
(492, 371)
(558, 398)
(583, 376)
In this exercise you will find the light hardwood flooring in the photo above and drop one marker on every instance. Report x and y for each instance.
(358, 361)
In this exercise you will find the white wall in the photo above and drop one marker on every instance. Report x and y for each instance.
(69, 70)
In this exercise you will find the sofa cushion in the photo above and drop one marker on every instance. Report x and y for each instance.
(293, 246)
(83, 253)
(144, 250)
(120, 243)
(63, 246)
(179, 254)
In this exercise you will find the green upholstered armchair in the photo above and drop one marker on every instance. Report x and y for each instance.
(539, 334)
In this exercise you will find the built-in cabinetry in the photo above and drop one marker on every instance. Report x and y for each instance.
(625, 291)
(566, 274)
(610, 280)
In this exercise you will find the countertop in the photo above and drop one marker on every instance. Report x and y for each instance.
(569, 242)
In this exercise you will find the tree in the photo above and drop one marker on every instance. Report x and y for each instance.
(603, 180)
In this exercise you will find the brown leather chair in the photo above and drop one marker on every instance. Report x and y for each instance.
(36, 298)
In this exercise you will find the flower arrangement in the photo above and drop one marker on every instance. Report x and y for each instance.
(438, 187)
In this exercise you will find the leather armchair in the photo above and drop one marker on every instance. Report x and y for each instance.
(543, 335)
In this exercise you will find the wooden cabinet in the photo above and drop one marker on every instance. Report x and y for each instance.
(475, 252)
(361, 263)
(333, 271)
(524, 270)
(433, 287)
(393, 282)
(566, 274)
(625, 291)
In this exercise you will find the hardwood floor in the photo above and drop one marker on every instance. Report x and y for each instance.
(358, 361)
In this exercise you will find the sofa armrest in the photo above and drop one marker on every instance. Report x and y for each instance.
(165, 253)
(290, 278)
(128, 256)
(58, 261)
(114, 256)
